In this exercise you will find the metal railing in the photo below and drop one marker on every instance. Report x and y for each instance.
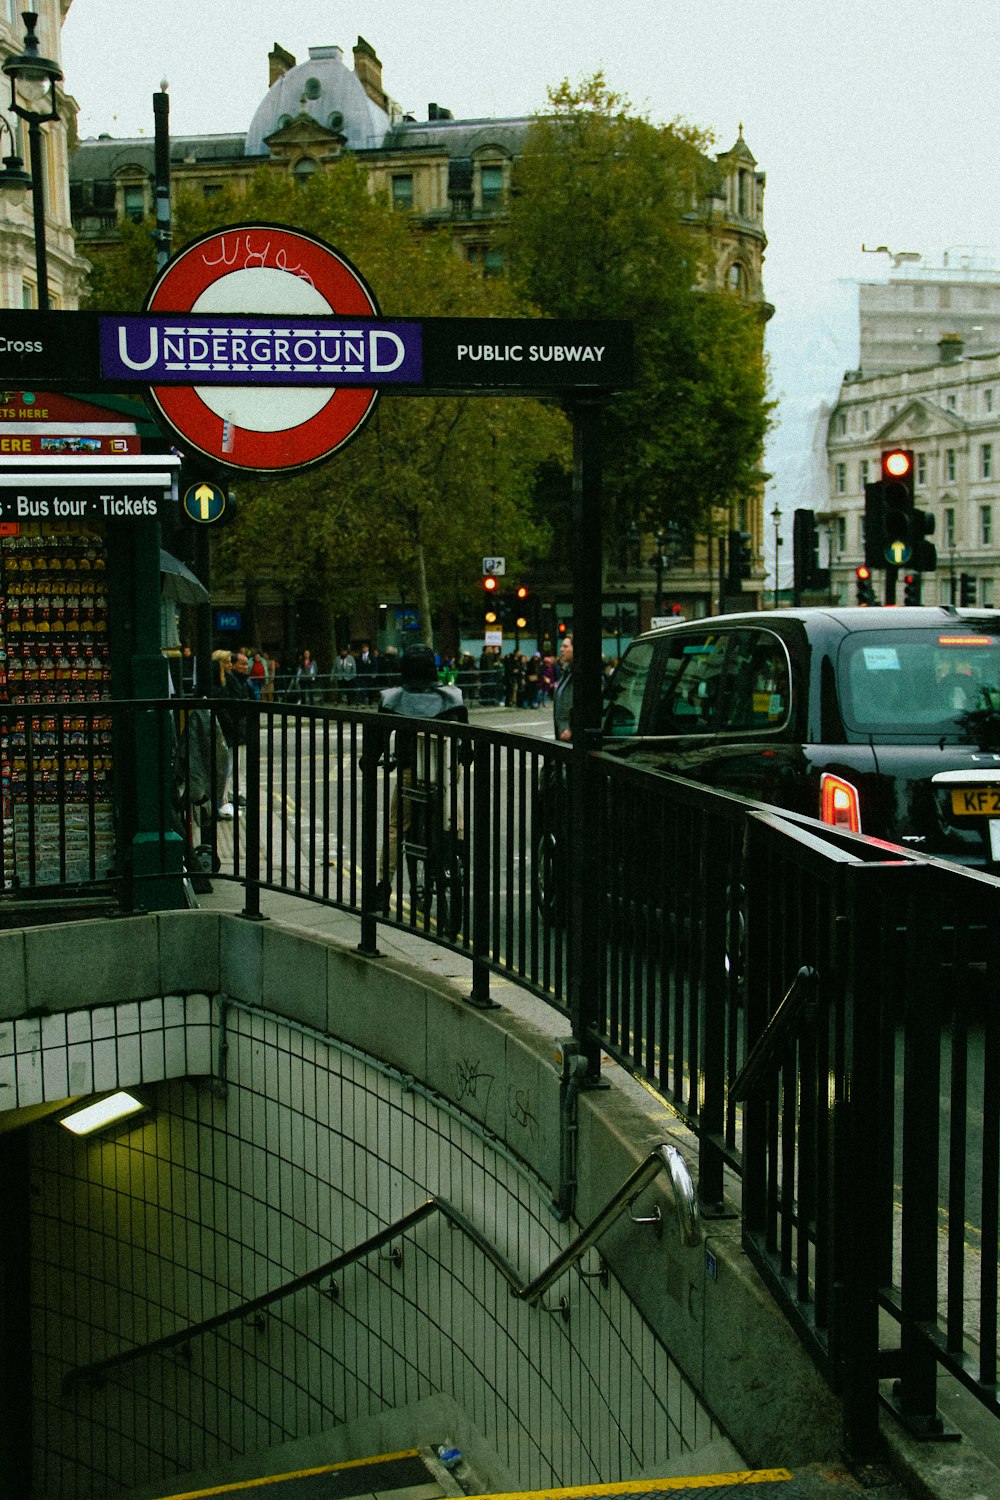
(668, 923)
(664, 1158)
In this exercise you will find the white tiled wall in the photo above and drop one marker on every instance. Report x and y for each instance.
(218, 1199)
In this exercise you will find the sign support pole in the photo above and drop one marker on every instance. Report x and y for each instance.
(157, 852)
(587, 552)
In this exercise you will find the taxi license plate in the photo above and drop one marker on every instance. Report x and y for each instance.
(976, 801)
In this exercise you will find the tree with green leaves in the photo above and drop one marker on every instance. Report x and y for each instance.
(431, 484)
(602, 224)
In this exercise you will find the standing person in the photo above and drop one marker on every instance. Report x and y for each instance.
(366, 671)
(230, 689)
(532, 682)
(267, 691)
(305, 678)
(257, 677)
(420, 696)
(345, 671)
(547, 677)
(562, 699)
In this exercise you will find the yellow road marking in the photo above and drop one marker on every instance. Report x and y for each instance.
(250, 1484)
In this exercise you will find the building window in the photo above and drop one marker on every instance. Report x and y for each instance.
(863, 472)
(491, 186)
(841, 522)
(949, 465)
(735, 277)
(493, 263)
(986, 592)
(842, 424)
(921, 468)
(985, 525)
(135, 203)
(211, 190)
(402, 191)
(865, 417)
(986, 461)
(303, 170)
(949, 526)
(840, 479)
(988, 399)
(949, 402)
(28, 299)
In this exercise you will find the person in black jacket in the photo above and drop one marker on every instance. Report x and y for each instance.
(425, 766)
(232, 688)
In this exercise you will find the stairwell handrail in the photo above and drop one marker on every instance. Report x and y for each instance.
(664, 1158)
(773, 1041)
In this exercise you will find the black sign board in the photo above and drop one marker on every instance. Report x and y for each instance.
(89, 351)
(52, 503)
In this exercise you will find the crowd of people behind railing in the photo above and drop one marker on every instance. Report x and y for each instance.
(496, 678)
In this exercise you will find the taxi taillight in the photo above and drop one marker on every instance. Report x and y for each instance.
(839, 803)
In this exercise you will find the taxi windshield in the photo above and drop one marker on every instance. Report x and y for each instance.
(926, 681)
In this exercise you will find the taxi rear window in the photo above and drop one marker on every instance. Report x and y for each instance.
(917, 681)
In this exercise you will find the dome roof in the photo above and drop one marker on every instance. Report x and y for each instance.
(329, 93)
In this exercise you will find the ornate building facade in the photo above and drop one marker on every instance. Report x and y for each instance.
(948, 413)
(67, 270)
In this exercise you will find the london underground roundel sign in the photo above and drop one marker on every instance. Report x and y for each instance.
(272, 271)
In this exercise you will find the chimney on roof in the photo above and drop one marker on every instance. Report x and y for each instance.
(368, 71)
(950, 346)
(278, 63)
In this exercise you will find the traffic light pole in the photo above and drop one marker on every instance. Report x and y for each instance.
(891, 574)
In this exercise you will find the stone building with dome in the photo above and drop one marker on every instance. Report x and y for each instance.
(447, 173)
(444, 171)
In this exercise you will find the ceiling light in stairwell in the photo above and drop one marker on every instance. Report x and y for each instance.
(103, 1113)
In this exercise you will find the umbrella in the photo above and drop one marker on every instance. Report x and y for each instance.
(178, 585)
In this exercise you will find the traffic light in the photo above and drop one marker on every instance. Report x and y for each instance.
(204, 494)
(966, 589)
(923, 554)
(491, 600)
(911, 588)
(897, 500)
(740, 557)
(865, 590)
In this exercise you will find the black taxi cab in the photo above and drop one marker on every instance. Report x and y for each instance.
(875, 720)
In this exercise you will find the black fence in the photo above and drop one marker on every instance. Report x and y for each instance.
(821, 1008)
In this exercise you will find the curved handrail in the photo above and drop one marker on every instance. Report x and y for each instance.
(662, 1158)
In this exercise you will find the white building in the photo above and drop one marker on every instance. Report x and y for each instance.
(948, 413)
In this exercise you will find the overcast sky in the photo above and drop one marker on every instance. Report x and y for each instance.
(875, 124)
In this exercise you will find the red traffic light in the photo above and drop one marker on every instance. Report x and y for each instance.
(489, 583)
(522, 592)
(897, 463)
(863, 573)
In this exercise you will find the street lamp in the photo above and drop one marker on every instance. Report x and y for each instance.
(30, 67)
(778, 542)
